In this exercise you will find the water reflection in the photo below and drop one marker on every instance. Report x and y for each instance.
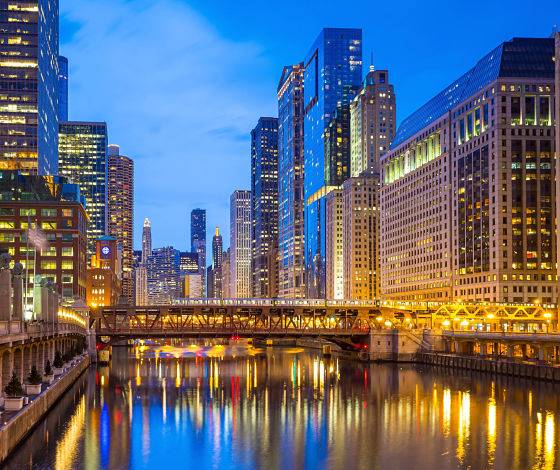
(248, 408)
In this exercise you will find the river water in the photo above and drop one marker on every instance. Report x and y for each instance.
(239, 407)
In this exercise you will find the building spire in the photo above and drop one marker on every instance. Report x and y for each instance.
(371, 66)
(217, 231)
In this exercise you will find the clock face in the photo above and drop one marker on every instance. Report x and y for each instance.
(105, 250)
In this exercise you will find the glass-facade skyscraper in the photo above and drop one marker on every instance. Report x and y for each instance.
(291, 271)
(333, 73)
(198, 241)
(62, 89)
(264, 207)
(164, 277)
(83, 160)
(29, 86)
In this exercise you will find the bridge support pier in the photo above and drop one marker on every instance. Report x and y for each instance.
(91, 342)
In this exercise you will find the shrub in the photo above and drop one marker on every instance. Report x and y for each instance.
(58, 362)
(14, 388)
(34, 378)
(48, 368)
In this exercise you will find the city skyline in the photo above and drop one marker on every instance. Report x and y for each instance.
(246, 95)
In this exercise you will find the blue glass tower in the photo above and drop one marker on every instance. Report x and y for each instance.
(29, 86)
(264, 207)
(333, 71)
(62, 89)
(198, 241)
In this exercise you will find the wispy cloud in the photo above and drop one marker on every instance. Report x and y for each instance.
(177, 96)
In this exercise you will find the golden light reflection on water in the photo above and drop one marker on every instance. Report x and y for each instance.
(231, 406)
(68, 442)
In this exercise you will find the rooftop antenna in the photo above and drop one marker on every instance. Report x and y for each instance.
(554, 30)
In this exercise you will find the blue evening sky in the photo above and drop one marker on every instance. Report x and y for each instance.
(182, 82)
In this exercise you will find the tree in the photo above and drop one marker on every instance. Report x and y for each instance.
(14, 388)
(34, 378)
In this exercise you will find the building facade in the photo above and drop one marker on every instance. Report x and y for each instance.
(141, 285)
(217, 261)
(29, 86)
(468, 200)
(360, 232)
(226, 275)
(121, 214)
(83, 160)
(334, 245)
(164, 277)
(104, 274)
(264, 205)
(291, 228)
(53, 212)
(373, 123)
(240, 244)
(333, 71)
(62, 89)
(198, 242)
(146, 241)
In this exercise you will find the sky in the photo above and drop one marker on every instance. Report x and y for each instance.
(181, 83)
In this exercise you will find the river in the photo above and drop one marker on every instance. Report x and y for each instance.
(239, 407)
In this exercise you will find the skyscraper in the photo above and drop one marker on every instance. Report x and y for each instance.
(164, 279)
(360, 232)
(264, 204)
(141, 271)
(83, 159)
(146, 241)
(62, 89)
(469, 180)
(291, 269)
(217, 257)
(334, 245)
(198, 241)
(333, 71)
(29, 85)
(121, 213)
(373, 120)
(557, 132)
(240, 243)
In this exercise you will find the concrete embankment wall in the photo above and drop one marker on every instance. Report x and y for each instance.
(22, 423)
(515, 369)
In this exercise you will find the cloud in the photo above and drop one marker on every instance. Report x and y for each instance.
(177, 96)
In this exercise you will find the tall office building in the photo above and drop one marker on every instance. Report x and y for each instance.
(217, 257)
(104, 274)
(334, 245)
(469, 180)
(164, 279)
(373, 121)
(141, 270)
(226, 275)
(29, 86)
(121, 214)
(333, 71)
(291, 268)
(198, 241)
(264, 205)
(83, 160)
(360, 232)
(146, 241)
(557, 132)
(62, 89)
(240, 243)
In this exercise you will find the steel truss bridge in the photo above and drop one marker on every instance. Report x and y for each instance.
(304, 318)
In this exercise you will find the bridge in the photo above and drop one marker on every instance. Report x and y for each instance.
(308, 318)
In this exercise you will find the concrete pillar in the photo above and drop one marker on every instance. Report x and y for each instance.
(483, 349)
(18, 363)
(27, 357)
(542, 352)
(510, 350)
(17, 284)
(7, 362)
(496, 349)
(5, 292)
